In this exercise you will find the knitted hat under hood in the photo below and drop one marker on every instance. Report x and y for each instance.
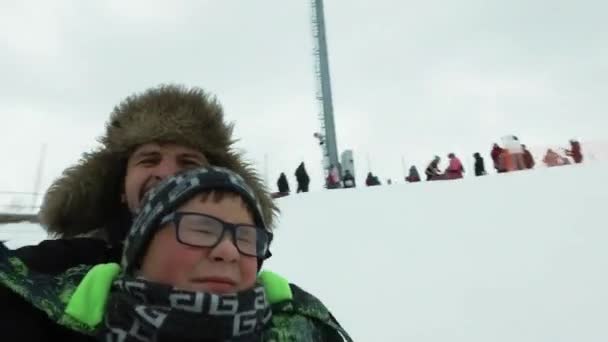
(166, 198)
(87, 196)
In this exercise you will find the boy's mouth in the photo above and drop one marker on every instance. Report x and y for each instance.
(215, 284)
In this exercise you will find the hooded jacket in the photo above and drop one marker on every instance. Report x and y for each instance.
(480, 168)
(283, 184)
(302, 176)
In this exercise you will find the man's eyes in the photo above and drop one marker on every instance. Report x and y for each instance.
(148, 161)
(192, 162)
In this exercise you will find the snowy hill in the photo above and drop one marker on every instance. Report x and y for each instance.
(513, 257)
(516, 257)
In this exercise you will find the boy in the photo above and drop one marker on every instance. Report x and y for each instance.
(189, 272)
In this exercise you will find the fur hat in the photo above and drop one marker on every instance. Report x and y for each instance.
(87, 196)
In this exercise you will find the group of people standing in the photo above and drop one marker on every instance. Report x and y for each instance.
(512, 156)
(333, 180)
(302, 178)
(515, 156)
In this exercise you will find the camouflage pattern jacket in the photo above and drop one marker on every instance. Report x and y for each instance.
(75, 300)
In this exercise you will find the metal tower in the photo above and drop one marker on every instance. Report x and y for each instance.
(327, 137)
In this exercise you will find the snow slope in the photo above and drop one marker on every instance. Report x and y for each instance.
(513, 257)
(516, 257)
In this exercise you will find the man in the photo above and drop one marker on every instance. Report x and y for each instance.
(480, 168)
(432, 170)
(302, 178)
(283, 184)
(149, 136)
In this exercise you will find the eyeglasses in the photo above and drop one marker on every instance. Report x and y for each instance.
(201, 230)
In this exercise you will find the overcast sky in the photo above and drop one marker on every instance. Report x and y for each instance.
(410, 78)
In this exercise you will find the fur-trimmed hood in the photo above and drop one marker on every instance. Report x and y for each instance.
(86, 197)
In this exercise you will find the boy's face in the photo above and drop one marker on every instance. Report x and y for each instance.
(221, 269)
(150, 163)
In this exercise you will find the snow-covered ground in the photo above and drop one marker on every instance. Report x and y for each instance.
(16, 235)
(512, 257)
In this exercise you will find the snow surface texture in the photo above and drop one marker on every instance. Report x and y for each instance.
(512, 257)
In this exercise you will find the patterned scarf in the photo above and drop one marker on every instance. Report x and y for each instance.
(140, 310)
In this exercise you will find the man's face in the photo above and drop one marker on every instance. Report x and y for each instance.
(150, 163)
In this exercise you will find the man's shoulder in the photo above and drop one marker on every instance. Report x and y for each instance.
(58, 255)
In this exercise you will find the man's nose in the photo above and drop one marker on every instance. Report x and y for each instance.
(166, 168)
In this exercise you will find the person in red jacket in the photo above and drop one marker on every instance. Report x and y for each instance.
(575, 151)
(455, 168)
(496, 152)
(552, 159)
(528, 158)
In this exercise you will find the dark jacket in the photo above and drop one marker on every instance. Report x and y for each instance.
(282, 184)
(372, 180)
(42, 316)
(480, 168)
(432, 171)
(18, 318)
(302, 178)
(413, 176)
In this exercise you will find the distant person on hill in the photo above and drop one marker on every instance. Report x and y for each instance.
(455, 168)
(496, 153)
(432, 170)
(505, 161)
(333, 178)
(528, 158)
(552, 159)
(377, 181)
(283, 184)
(302, 178)
(349, 180)
(372, 180)
(513, 145)
(480, 168)
(413, 176)
(575, 151)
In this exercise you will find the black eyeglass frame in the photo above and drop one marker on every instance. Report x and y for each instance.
(176, 218)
